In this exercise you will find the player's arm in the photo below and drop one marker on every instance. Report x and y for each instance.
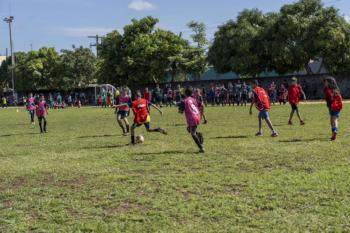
(120, 105)
(251, 108)
(303, 93)
(156, 107)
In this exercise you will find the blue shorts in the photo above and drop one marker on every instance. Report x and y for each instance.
(264, 115)
(123, 114)
(334, 114)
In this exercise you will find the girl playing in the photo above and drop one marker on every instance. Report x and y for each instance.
(122, 111)
(31, 109)
(199, 98)
(334, 103)
(41, 113)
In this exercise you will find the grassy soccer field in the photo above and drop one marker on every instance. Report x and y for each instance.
(84, 177)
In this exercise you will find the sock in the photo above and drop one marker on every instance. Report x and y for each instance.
(127, 128)
(41, 126)
(197, 141)
(44, 125)
(132, 139)
(334, 130)
(200, 137)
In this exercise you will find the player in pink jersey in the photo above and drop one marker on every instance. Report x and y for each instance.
(41, 113)
(122, 110)
(31, 108)
(193, 117)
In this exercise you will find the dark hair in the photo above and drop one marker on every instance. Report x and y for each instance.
(138, 93)
(255, 82)
(332, 84)
(189, 91)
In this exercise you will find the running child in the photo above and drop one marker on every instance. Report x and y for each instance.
(334, 103)
(31, 109)
(122, 111)
(199, 98)
(41, 113)
(261, 101)
(294, 93)
(141, 110)
(193, 117)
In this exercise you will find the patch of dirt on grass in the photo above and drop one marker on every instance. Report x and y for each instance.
(126, 207)
(72, 183)
(7, 204)
(234, 190)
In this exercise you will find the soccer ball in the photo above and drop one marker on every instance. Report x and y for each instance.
(140, 139)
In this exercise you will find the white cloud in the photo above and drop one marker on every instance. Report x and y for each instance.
(347, 18)
(141, 5)
(86, 31)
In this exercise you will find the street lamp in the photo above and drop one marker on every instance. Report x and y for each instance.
(9, 20)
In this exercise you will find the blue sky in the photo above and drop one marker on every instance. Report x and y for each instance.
(62, 23)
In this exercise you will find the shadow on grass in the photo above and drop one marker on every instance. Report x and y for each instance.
(18, 134)
(303, 140)
(170, 152)
(98, 136)
(231, 137)
(105, 147)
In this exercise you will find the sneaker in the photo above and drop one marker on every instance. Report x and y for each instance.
(163, 131)
(334, 137)
(274, 134)
(202, 151)
(205, 122)
(302, 122)
(258, 134)
(126, 134)
(290, 123)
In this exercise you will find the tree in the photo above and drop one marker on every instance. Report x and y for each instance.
(78, 68)
(235, 44)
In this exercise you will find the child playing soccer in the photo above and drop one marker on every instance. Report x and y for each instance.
(294, 93)
(141, 110)
(41, 113)
(122, 111)
(31, 109)
(193, 117)
(334, 103)
(198, 96)
(262, 103)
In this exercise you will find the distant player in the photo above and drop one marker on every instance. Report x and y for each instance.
(261, 101)
(31, 109)
(295, 91)
(140, 108)
(334, 103)
(198, 96)
(122, 111)
(41, 113)
(190, 107)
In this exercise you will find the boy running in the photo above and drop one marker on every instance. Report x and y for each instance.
(193, 117)
(122, 110)
(294, 93)
(262, 103)
(41, 113)
(140, 107)
(334, 103)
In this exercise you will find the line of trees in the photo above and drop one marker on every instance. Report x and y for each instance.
(284, 41)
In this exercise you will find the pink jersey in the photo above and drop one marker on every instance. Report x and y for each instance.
(124, 100)
(31, 104)
(193, 115)
(41, 109)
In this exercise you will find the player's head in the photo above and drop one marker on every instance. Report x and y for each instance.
(138, 94)
(41, 97)
(125, 91)
(30, 95)
(331, 83)
(146, 89)
(255, 83)
(294, 80)
(189, 91)
(197, 91)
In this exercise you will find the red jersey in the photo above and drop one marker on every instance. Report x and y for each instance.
(294, 93)
(328, 93)
(261, 99)
(334, 102)
(141, 110)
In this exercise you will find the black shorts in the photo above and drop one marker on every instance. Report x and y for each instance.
(122, 114)
(294, 106)
(147, 125)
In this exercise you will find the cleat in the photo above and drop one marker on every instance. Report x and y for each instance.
(302, 122)
(275, 134)
(258, 134)
(290, 123)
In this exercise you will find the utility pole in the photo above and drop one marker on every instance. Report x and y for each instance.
(97, 42)
(9, 20)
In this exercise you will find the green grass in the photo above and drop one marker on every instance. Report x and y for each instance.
(83, 177)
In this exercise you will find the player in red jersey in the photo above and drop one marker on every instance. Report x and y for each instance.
(295, 91)
(334, 103)
(140, 108)
(262, 103)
